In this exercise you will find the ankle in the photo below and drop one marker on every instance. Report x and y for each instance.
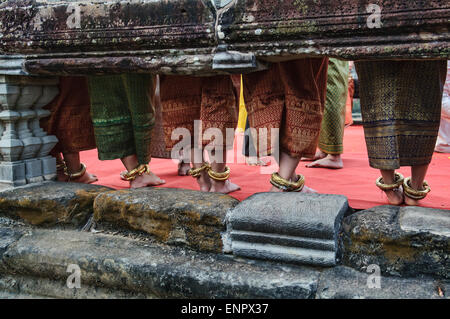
(334, 157)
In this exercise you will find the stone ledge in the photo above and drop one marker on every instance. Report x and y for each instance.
(288, 227)
(51, 203)
(402, 241)
(26, 287)
(130, 266)
(173, 216)
(33, 266)
(346, 283)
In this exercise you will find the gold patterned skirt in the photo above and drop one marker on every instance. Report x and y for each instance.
(213, 100)
(289, 97)
(401, 110)
(70, 118)
(333, 123)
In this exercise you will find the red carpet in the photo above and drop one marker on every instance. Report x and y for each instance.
(356, 180)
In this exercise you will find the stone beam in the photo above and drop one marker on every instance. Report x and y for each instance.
(205, 37)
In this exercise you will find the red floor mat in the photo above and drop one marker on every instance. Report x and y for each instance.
(356, 180)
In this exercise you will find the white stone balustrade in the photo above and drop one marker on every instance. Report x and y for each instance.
(24, 146)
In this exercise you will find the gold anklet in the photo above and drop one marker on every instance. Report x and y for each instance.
(76, 175)
(197, 172)
(388, 187)
(413, 193)
(61, 167)
(287, 186)
(138, 171)
(220, 176)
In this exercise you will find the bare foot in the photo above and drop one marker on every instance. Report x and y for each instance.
(204, 182)
(255, 161)
(305, 190)
(319, 155)
(411, 201)
(330, 161)
(183, 169)
(87, 178)
(395, 197)
(148, 179)
(224, 187)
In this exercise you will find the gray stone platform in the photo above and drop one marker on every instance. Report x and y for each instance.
(34, 263)
(288, 227)
(161, 242)
(133, 268)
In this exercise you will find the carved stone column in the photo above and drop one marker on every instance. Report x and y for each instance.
(49, 91)
(12, 171)
(24, 147)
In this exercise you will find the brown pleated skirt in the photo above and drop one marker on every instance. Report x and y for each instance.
(184, 99)
(70, 119)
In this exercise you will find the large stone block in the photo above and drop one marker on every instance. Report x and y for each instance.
(33, 171)
(288, 227)
(51, 203)
(12, 174)
(174, 216)
(402, 241)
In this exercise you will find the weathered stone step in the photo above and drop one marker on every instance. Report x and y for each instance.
(51, 203)
(34, 263)
(402, 241)
(288, 228)
(130, 266)
(176, 216)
